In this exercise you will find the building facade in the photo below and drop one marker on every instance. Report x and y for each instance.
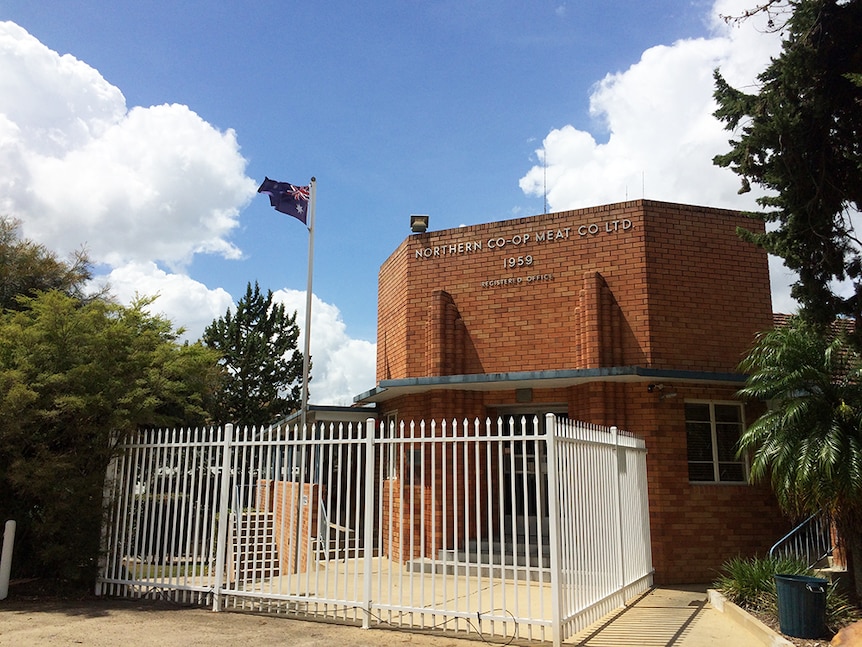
(634, 314)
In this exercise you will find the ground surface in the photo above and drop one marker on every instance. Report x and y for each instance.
(665, 617)
(108, 623)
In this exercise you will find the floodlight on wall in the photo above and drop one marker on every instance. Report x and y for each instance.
(418, 223)
(659, 388)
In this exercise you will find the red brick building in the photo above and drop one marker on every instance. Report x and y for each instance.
(633, 314)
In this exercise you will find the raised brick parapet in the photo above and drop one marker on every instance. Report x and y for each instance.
(637, 283)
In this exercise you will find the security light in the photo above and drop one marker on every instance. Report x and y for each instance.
(418, 223)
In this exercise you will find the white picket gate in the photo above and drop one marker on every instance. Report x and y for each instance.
(529, 528)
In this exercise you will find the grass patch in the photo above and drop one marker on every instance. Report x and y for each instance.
(149, 571)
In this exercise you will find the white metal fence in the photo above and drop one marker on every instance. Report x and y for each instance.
(529, 528)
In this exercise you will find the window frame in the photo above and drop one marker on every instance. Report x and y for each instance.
(715, 461)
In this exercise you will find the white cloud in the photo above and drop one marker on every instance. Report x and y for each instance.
(186, 302)
(341, 367)
(76, 166)
(661, 132)
(141, 188)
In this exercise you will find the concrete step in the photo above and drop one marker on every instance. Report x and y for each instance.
(519, 546)
(834, 575)
(506, 571)
(494, 558)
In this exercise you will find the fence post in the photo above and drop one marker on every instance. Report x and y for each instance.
(224, 501)
(554, 528)
(108, 514)
(618, 497)
(368, 526)
(6, 557)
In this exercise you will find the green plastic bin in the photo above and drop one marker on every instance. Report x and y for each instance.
(801, 605)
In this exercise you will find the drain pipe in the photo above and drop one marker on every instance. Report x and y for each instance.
(6, 558)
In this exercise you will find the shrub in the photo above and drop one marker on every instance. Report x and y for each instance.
(750, 583)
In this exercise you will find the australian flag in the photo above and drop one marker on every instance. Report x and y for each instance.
(287, 198)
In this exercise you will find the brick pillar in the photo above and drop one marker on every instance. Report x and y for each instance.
(263, 496)
(295, 505)
(402, 515)
(590, 319)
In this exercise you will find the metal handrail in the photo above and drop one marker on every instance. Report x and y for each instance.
(810, 540)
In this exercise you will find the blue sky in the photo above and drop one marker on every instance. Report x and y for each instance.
(146, 143)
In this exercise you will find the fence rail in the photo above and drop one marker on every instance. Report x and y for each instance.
(810, 541)
(529, 528)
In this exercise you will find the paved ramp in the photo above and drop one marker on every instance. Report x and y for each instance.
(666, 617)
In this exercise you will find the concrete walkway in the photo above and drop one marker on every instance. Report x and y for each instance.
(675, 617)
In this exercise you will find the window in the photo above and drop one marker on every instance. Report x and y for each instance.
(712, 432)
(389, 432)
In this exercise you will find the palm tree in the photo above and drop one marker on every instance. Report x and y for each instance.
(809, 442)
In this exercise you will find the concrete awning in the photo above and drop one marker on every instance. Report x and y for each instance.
(388, 389)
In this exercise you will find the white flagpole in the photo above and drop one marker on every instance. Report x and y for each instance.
(306, 357)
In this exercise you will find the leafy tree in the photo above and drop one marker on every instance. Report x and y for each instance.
(809, 442)
(73, 378)
(27, 268)
(262, 366)
(799, 137)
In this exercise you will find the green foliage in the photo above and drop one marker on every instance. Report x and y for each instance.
(73, 378)
(27, 268)
(750, 584)
(809, 441)
(798, 137)
(262, 375)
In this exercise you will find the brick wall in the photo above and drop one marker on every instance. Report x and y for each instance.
(640, 283)
(708, 291)
(695, 528)
(291, 503)
(636, 283)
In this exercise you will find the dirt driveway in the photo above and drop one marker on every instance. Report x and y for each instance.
(664, 617)
(108, 623)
